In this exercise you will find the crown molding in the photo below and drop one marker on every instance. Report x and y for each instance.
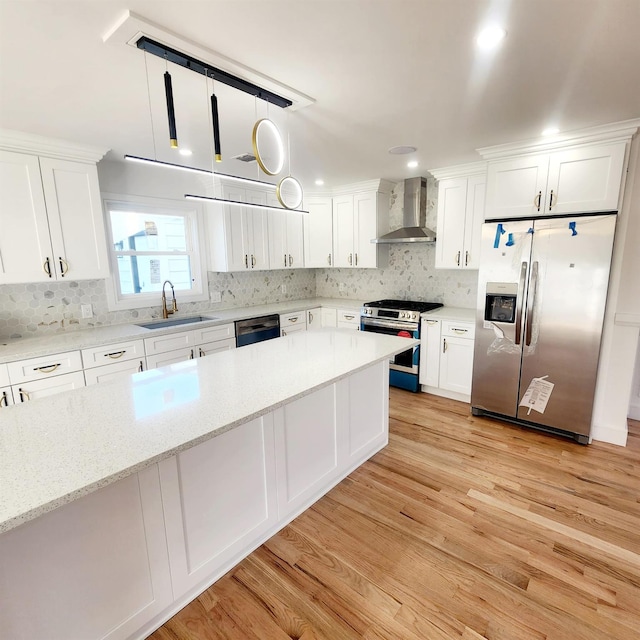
(608, 133)
(23, 142)
(459, 170)
(131, 27)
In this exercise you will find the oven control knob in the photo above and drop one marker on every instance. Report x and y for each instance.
(402, 314)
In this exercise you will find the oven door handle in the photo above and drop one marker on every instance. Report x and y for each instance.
(390, 324)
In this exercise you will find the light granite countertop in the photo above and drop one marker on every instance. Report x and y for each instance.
(57, 449)
(457, 314)
(18, 349)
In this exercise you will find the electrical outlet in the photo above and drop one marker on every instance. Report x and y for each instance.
(341, 287)
(87, 310)
(216, 296)
(283, 288)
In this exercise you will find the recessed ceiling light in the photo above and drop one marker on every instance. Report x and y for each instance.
(319, 182)
(402, 150)
(550, 131)
(412, 164)
(490, 37)
(185, 152)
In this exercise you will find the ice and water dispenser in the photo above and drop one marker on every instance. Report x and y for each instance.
(500, 302)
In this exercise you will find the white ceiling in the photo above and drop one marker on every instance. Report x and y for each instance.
(382, 73)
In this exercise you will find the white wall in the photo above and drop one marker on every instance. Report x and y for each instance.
(622, 318)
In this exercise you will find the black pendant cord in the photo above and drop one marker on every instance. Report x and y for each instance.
(168, 89)
(216, 127)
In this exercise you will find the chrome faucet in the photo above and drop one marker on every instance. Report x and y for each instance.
(174, 306)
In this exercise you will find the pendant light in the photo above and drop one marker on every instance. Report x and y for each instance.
(171, 114)
(216, 126)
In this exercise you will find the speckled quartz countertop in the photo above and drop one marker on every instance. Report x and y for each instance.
(457, 314)
(57, 449)
(18, 349)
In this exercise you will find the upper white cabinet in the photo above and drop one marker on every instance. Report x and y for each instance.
(238, 239)
(318, 232)
(579, 174)
(461, 193)
(50, 211)
(358, 218)
(286, 237)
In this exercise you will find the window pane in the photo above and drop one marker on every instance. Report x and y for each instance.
(146, 274)
(136, 231)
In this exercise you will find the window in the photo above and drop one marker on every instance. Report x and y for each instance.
(152, 241)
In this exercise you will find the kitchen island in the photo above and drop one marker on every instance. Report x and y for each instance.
(142, 492)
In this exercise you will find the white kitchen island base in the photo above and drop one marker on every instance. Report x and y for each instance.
(120, 561)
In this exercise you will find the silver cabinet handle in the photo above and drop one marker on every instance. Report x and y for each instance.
(444, 345)
(351, 258)
(329, 259)
(458, 258)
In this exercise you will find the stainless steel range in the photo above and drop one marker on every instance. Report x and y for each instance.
(398, 318)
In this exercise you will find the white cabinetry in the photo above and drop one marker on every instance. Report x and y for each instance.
(238, 239)
(358, 218)
(51, 217)
(106, 552)
(461, 193)
(44, 376)
(577, 179)
(314, 318)
(446, 357)
(318, 232)
(105, 363)
(286, 237)
(291, 322)
(6, 396)
(348, 319)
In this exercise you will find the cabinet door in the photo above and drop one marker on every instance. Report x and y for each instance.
(6, 397)
(208, 348)
(42, 388)
(157, 360)
(314, 318)
(516, 187)
(236, 231)
(24, 241)
(257, 227)
(365, 206)
(476, 188)
(113, 371)
(318, 233)
(586, 179)
(76, 222)
(456, 364)
(452, 204)
(430, 352)
(170, 342)
(295, 240)
(278, 258)
(343, 230)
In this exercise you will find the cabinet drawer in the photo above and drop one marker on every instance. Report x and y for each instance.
(285, 331)
(34, 389)
(169, 342)
(171, 357)
(458, 329)
(291, 320)
(4, 376)
(6, 397)
(215, 347)
(113, 371)
(100, 356)
(211, 334)
(44, 367)
(346, 316)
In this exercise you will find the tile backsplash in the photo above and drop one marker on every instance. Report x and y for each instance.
(35, 309)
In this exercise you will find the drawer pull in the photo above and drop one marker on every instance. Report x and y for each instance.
(48, 369)
(432, 322)
(346, 317)
(141, 367)
(458, 258)
(294, 319)
(537, 200)
(47, 267)
(24, 396)
(115, 355)
(4, 401)
(64, 267)
(466, 258)
(459, 330)
(192, 356)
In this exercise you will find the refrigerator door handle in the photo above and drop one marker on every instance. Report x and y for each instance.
(523, 277)
(529, 317)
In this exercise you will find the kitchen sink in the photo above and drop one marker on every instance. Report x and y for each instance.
(174, 322)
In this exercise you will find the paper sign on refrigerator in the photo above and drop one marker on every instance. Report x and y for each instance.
(537, 395)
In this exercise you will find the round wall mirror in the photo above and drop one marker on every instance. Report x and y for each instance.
(268, 147)
(289, 192)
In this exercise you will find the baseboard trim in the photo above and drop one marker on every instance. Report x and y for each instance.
(609, 435)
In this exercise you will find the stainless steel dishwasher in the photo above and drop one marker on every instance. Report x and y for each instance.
(257, 329)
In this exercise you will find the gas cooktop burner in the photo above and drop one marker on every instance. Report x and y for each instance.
(405, 305)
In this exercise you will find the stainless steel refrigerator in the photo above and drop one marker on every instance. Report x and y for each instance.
(542, 290)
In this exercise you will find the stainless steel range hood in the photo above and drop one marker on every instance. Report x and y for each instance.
(414, 216)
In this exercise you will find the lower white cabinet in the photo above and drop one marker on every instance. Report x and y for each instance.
(108, 362)
(157, 360)
(216, 346)
(94, 568)
(348, 319)
(446, 357)
(217, 498)
(291, 322)
(35, 389)
(108, 372)
(329, 317)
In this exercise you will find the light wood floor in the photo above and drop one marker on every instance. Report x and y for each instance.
(462, 527)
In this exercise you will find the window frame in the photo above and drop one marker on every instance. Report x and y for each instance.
(194, 222)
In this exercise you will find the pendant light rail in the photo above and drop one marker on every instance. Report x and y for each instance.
(193, 64)
(237, 203)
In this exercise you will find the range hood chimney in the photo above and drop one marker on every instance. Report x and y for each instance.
(414, 216)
